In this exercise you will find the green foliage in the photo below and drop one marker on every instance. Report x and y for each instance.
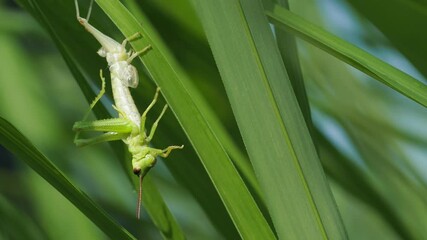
(240, 92)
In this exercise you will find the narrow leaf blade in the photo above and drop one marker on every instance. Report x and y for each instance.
(365, 62)
(19, 145)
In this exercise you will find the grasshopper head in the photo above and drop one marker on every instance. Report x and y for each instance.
(142, 166)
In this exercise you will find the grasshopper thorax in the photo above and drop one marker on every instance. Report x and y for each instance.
(113, 54)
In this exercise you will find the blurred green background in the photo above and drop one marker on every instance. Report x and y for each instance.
(382, 132)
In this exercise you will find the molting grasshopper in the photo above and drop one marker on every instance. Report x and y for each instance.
(130, 125)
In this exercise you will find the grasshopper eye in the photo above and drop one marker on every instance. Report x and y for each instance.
(137, 171)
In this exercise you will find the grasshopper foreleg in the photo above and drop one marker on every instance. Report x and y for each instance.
(165, 152)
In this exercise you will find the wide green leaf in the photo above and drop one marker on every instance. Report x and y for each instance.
(270, 121)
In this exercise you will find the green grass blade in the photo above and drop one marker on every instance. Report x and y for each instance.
(288, 49)
(270, 121)
(379, 70)
(16, 143)
(402, 23)
(176, 89)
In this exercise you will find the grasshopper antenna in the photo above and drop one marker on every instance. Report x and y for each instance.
(138, 207)
(78, 10)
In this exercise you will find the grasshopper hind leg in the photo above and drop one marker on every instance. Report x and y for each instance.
(115, 128)
(106, 137)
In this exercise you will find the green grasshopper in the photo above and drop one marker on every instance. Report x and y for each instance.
(130, 125)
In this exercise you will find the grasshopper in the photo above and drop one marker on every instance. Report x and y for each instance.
(130, 125)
